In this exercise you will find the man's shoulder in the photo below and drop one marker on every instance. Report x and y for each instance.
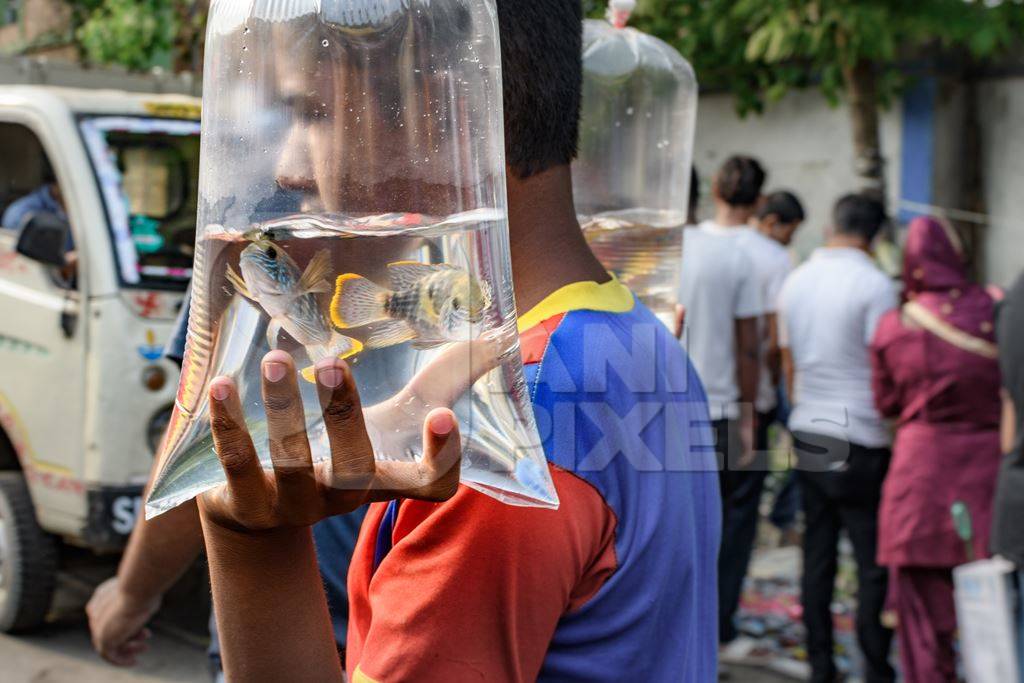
(768, 255)
(798, 276)
(779, 254)
(615, 354)
(18, 208)
(485, 525)
(734, 253)
(874, 281)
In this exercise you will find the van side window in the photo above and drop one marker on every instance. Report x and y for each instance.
(28, 187)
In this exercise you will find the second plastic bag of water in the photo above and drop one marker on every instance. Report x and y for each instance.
(632, 176)
(353, 206)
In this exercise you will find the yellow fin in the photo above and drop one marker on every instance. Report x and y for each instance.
(309, 374)
(238, 282)
(317, 273)
(357, 302)
(357, 347)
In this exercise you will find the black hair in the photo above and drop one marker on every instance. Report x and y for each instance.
(783, 205)
(542, 71)
(859, 215)
(740, 180)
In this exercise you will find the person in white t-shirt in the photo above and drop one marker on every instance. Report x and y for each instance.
(828, 311)
(722, 299)
(780, 214)
(771, 263)
(778, 218)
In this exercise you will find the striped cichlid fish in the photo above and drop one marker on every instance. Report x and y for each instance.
(425, 304)
(272, 279)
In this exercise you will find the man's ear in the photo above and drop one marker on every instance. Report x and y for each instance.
(715, 194)
(512, 179)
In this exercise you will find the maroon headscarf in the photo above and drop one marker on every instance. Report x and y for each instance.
(935, 276)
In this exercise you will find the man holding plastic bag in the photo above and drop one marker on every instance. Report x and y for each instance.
(474, 587)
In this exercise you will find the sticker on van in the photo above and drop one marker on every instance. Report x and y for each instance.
(151, 351)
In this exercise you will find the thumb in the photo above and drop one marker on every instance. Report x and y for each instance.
(442, 448)
(436, 476)
(451, 374)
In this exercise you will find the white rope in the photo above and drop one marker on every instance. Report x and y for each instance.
(956, 214)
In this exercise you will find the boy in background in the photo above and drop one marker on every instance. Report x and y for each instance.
(778, 219)
(723, 300)
(778, 214)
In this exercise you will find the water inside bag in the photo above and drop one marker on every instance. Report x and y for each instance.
(229, 335)
(643, 249)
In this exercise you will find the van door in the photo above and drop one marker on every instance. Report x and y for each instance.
(42, 339)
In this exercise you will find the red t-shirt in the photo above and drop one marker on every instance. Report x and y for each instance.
(428, 612)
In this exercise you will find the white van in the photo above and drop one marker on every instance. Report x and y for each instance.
(84, 315)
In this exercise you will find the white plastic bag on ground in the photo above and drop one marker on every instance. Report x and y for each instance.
(986, 607)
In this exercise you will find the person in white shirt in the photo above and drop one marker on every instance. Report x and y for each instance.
(778, 218)
(828, 311)
(722, 299)
(771, 264)
(781, 213)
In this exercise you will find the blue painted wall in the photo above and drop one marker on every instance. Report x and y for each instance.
(918, 155)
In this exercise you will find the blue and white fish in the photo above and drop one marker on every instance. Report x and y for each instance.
(272, 279)
(425, 304)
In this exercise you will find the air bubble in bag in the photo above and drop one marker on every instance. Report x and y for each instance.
(632, 176)
(352, 204)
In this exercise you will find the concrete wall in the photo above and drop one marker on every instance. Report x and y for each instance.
(806, 146)
(1002, 158)
(40, 19)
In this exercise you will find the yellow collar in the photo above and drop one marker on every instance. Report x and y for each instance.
(612, 297)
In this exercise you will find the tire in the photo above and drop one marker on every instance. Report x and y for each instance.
(28, 559)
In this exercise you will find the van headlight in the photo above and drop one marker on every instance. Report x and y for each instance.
(157, 426)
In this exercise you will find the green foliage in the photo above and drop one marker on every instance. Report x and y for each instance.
(759, 49)
(137, 34)
(7, 12)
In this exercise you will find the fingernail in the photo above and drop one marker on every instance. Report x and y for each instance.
(331, 377)
(220, 391)
(274, 372)
(442, 424)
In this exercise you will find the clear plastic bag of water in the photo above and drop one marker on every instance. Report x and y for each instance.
(632, 175)
(352, 205)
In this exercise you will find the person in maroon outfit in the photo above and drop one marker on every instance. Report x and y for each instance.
(935, 370)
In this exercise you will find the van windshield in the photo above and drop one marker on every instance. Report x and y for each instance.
(148, 171)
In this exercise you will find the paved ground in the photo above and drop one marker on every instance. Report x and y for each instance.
(61, 652)
(62, 655)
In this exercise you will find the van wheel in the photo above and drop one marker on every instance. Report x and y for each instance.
(28, 559)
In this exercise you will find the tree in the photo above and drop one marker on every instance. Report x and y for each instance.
(760, 49)
(140, 34)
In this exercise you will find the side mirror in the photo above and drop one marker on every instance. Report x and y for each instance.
(43, 237)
